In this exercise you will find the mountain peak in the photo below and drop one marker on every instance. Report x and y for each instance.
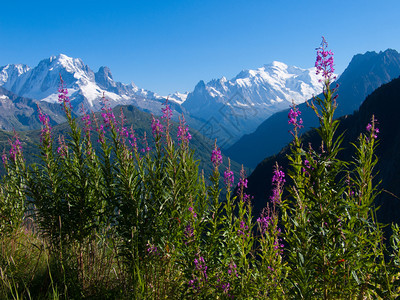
(106, 71)
(278, 64)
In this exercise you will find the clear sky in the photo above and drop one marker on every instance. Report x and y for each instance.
(168, 46)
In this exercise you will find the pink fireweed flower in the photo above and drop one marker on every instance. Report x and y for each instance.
(307, 167)
(145, 143)
(243, 228)
(86, 120)
(324, 62)
(45, 135)
(167, 112)
(371, 128)
(278, 180)
(294, 113)
(188, 233)
(232, 269)
(243, 180)
(264, 220)
(228, 176)
(107, 114)
(183, 132)
(62, 149)
(132, 139)
(4, 158)
(156, 127)
(63, 95)
(152, 249)
(200, 265)
(242, 184)
(193, 212)
(216, 157)
(16, 149)
(99, 130)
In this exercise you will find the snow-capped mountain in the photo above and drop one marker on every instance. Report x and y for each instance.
(231, 108)
(223, 109)
(178, 97)
(84, 86)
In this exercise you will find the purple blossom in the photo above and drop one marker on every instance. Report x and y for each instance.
(63, 95)
(62, 149)
(225, 287)
(216, 157)
(107, 114)
(371, 128)
(242, 184)
(4, 158)
(293, 115)
(189, 233)
(156, 127)
(145, 143)
(278, 180)
(232, 269)
(228, 177)
(193, 212)
(183, 132)
(278, 246)
(264, 221)
(16, 148)
(152, 249)
(243, 228)
(324, 62)
(100, 131)
(132, 139)
(247, 197)
(86, 121)
(45, 135)
(167, 112)
(201, 266)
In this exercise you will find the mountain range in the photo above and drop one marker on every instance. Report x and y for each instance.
(365, 73)
(222, 109)
(231, 108)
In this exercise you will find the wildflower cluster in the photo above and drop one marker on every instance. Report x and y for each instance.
(278, 180)
(297, 123)
(216, 157)
(372, 129)
(324, 62)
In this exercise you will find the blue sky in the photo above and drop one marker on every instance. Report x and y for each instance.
(168, 46)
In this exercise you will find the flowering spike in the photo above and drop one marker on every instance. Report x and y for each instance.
(324, 62)
(16, 148)
(45, 135)
(216, 157)
(297, 123)
(372, 129)
(278, 180)
(228, 176)
(183, 132)
(63, 95)
(156, 127)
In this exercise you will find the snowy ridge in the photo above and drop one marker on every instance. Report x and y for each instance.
(84, 86)
(222, 108)
(239, 105)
